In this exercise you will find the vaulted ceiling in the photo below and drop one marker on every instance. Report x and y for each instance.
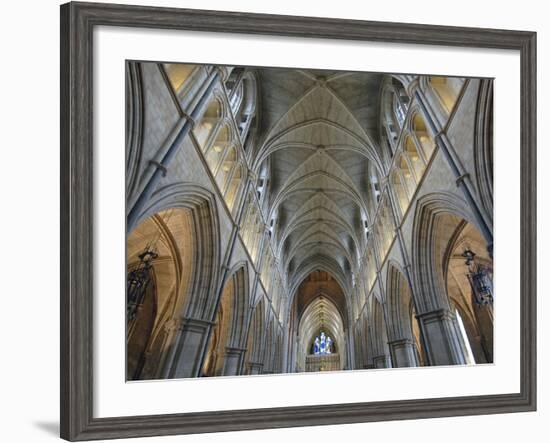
(319, 133)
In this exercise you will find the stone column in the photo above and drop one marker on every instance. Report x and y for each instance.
(478, 349)
(255, 368)
(443, 344)
(171, 328)
(350, 348)
(403, 353)
(232, 361)
(185, 358)
(285, 351)
(382, 361)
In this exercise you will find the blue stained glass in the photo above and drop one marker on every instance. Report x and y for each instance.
(322, 344)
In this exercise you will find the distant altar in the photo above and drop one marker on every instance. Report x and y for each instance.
(326, 362)
(323, 358)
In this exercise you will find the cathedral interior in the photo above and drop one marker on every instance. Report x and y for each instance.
(290, 220)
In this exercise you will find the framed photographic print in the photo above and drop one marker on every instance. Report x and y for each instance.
(273, 221)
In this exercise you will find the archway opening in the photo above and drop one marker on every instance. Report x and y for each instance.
(469, 276)
(454, 271)
(227, 339)
(321, 336)
(255, 341)
(403, 330)
(159, 270)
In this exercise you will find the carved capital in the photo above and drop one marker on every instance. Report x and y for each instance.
(437, 314)
(401, 342)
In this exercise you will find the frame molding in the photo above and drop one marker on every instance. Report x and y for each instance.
(77, 24)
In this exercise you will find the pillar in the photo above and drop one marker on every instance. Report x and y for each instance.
(443, 343)
(403, 353)
(382, 361)
(233, 361)
(255, 368)
(184, 360)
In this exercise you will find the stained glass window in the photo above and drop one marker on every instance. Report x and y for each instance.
(322, 344)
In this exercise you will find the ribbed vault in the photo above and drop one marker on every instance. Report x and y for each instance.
(319, 136)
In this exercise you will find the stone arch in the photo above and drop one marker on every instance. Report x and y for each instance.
(185, 327)
(399, 298)
(134, 124)
(437, 219)
(206, 241)
(378, 333)
(363, 349)
(269, 348)
(256, 338)
(309, 328)
(225, 352)
(326, 265)
(435, 214)
(477, 319)
(483, 147)
(241, 303)
(164, 244)
(400, 328)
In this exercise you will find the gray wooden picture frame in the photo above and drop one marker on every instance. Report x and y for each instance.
(77, 24)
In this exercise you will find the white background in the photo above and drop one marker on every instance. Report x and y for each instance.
(30, 188)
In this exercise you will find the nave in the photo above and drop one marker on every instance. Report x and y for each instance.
(288, 220)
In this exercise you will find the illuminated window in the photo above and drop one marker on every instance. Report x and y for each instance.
(322, 345)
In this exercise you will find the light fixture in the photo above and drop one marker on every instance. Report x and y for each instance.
(139, 277)
(138, 281)
(480, 281)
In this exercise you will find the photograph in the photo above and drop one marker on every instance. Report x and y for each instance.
(284, 220)
(275, 221)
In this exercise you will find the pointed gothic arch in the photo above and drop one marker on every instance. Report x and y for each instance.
(256, 338)
(227, 346)
(379, 335)
(400, 323)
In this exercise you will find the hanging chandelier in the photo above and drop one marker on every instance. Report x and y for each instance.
(479, 278)
(138, 281)
(140, 276)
